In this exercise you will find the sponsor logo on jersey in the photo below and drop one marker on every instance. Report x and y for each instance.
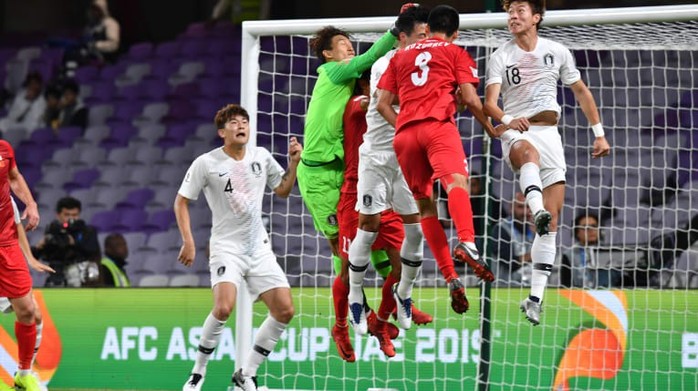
(256, 169)
(368, 200)
(220, 271)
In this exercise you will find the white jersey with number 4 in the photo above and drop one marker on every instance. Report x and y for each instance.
(529, 79)
(234, 190)
(379, 133)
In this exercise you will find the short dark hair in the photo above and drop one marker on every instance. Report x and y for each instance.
(71, 85)
(226, 113)
(584, 215)
(68, 203)
(323, 40)
(537, 7)
(414, 15)
(33, 76)
(444, 19)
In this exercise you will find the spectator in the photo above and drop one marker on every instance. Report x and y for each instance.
(27, 107)
(578, 264)
(70, 247)
(112, 267)
(73, 112)
(52, 96)
(102, 33)
(511, 243)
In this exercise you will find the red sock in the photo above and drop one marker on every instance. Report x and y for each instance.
(387, 301)
(340, 295)
(438, 243)
(26, 340)
(462, 213)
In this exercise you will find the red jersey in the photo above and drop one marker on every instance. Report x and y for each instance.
(8, 229)
(425, 76)
(354, 129)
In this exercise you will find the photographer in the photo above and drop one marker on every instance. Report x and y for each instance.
(70, 247)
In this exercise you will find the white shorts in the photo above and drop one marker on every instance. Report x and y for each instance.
(261, 271)
(5, 305)
(547, 140)
(382, 185)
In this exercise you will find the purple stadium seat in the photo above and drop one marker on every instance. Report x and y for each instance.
(167, 50)
(180, 110)
(130, 92)
(140, 51)
(212, 88)
(196, 30)
(111, 72)
(104, 221)
(136, 199)
(102, 92)
(130, 220)
(176, 135)
(160, 220)
(155, 89)
(82, 179)
(186, 90)
(86, 74)
(67, 136)
(192, 48)
(121, 133)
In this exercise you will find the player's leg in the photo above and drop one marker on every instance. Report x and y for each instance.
(359, 258)
(348, 221)
(525, 158)
(447, 158)
(268, 282)
(39, 320)
(25, 332)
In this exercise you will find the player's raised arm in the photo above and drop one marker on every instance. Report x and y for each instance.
(181, 211)
(591, 112)
(470, 98)
(289, 178)
(385, 106)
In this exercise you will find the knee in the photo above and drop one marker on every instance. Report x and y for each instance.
(284, 315)
(25, 314)
(222, 311)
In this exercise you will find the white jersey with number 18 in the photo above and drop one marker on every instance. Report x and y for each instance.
(529, 79)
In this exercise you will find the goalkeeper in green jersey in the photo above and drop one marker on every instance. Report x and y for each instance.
(321, 171)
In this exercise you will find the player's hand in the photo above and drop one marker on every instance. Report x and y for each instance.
(294, 150)
(187, 254)
(520, 124)
(499, 131)
(407, 6)
(601, 147)
(31, 214)
(38, 266)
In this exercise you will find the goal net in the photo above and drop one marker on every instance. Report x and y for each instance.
(623, 318)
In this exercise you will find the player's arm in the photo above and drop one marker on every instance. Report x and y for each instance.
(181, 211)
(21, 190)
(471, 100)
(24, 244)
(289, 178)
(385, 106)
(591, 112)
(345, 71)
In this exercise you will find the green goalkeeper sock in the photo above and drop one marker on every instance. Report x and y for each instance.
(381, 262)
(337, 262)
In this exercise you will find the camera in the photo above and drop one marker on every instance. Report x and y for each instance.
(60, 239)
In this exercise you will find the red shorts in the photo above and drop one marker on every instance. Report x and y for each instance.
(427, 151)
(390, 234)
(15, 280)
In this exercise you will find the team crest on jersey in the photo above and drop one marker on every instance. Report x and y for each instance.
(549, 60)
(220, 271)
(256, 169)
(368, 200)
(332, 220)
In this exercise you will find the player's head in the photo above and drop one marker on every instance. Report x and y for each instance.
(444, 19)
(68, 208)
(523, 14)
(412, 25)
(519, 212)
(332, 44)
(233, 124)
(363, 84)
(586, 228)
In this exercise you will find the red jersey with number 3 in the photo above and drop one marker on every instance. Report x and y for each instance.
(8, 229)
(425, 76)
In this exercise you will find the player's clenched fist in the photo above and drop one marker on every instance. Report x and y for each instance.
(294, 150)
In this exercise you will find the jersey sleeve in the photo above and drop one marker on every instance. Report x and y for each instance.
(388, 81)
(341, 72)
(495, 69)
(274, 170)
(194, 180)
(466, 69)
(377, 71)
(10, 154)
(569, 74)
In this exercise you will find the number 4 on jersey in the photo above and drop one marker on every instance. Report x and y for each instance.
(228, 187)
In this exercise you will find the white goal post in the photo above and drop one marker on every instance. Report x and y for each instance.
(640, 65)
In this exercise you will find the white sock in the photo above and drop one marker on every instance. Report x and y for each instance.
(411, 253)
(39, 329)
(359, 258)
(543, 257)
(210, 336)
(531, 186)
(264, 342)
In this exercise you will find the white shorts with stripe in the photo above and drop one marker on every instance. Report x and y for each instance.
(547, 140)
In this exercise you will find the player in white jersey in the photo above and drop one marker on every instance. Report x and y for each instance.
(381, 187)
(526, 70)
(233, 178)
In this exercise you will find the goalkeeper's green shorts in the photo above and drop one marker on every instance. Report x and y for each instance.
(320, 186)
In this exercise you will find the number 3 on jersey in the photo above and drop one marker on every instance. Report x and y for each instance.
(419, 78)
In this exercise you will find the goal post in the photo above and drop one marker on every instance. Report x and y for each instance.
(639, 333)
